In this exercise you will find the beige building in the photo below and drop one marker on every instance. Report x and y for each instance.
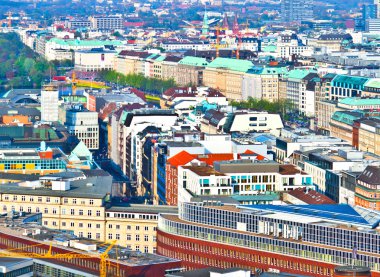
(135, 226)
(77, 203)
(169, 67)
(130, 62)
(325, 109)
(368, 135)
(94, 59)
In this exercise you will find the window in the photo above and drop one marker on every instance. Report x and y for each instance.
(137, 237)
(129, 237)
(154, 228)
(63, 211)
(72, 211)
(146, 228)
(117, 236)
(54, 210)
(54, 223)
(31, 199)
(146, 238)
(65, 201)
(117, 227)
(97, 213)
(14, 197)
(154, 238)
(98, 236)
(109, 236)
(63, 224)
(89, 225)
(89, 235)
(146, 249)
(89, 213)
(74, 201)
(80, 225)
(23, 198)
(110, 226)
(47, 199)
(72, 224)
(45, 223)
(80, 212)
(137, 228)
(37, 210)
(46, 210)
(137, 247)
(129, 227)
(80, 234)
(91, 201)
(97, 226)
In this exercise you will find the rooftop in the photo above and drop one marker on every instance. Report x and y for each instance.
(310, 196)
(330, 212)
(203, 171)
(193, 61)
(357, 101)
(85, 43)
(231, 64)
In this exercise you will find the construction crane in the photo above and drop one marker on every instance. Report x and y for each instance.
(104, 257)
(9, 17)
(238, 47)
(73, 83)
(218, 45)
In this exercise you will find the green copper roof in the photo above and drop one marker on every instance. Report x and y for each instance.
(89, 43)
(299, 73)
(194, 61)
(347, 117)
(373, 83)
(270, 48)
(356, 101)
(81, 150)
(353, 80)
(231, 64)
(268, 70)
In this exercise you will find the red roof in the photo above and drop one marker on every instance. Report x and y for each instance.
(138, 93)
(310, 196)
(211, 158)
(251, 153)
(181, 158)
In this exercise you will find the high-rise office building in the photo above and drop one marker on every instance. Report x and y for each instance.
(297, 10)
(49, 103)
(377, 3)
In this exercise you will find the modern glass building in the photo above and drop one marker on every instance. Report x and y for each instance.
(299, 239)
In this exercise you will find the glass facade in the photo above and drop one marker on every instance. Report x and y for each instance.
(324, 242)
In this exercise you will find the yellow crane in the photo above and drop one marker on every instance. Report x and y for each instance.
(217, 45)
(103, 257)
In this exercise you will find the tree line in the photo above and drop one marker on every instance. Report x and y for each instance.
(139, 81)
(21, 67)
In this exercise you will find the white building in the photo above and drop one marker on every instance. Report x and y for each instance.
(84, 125)
(49, 103)
(107, 22)
(96, 59)
(252, 121)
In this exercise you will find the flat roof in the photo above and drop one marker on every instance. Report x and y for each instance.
(312, 213)
(203, 171)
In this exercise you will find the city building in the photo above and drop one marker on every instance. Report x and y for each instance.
(297, 239)
(109, 22)
(16, 267)
(367, 187)
(343, 86)
(84, 125)
(296, 10)
(49, 103)
(95, 59)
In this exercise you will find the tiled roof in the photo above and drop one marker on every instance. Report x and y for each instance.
(371, 175)
(310, 196)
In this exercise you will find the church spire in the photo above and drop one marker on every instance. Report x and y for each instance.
(205, 26)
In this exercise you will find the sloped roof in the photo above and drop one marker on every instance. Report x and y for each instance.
(181, 158)
(194, 61)
(310, 196)
(81, 150)
(209, 159)
(231, 64)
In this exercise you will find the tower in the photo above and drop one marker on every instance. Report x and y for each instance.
(225, 24)
(235, 26)
(49, 103)
(377, 3)
(205, 26)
